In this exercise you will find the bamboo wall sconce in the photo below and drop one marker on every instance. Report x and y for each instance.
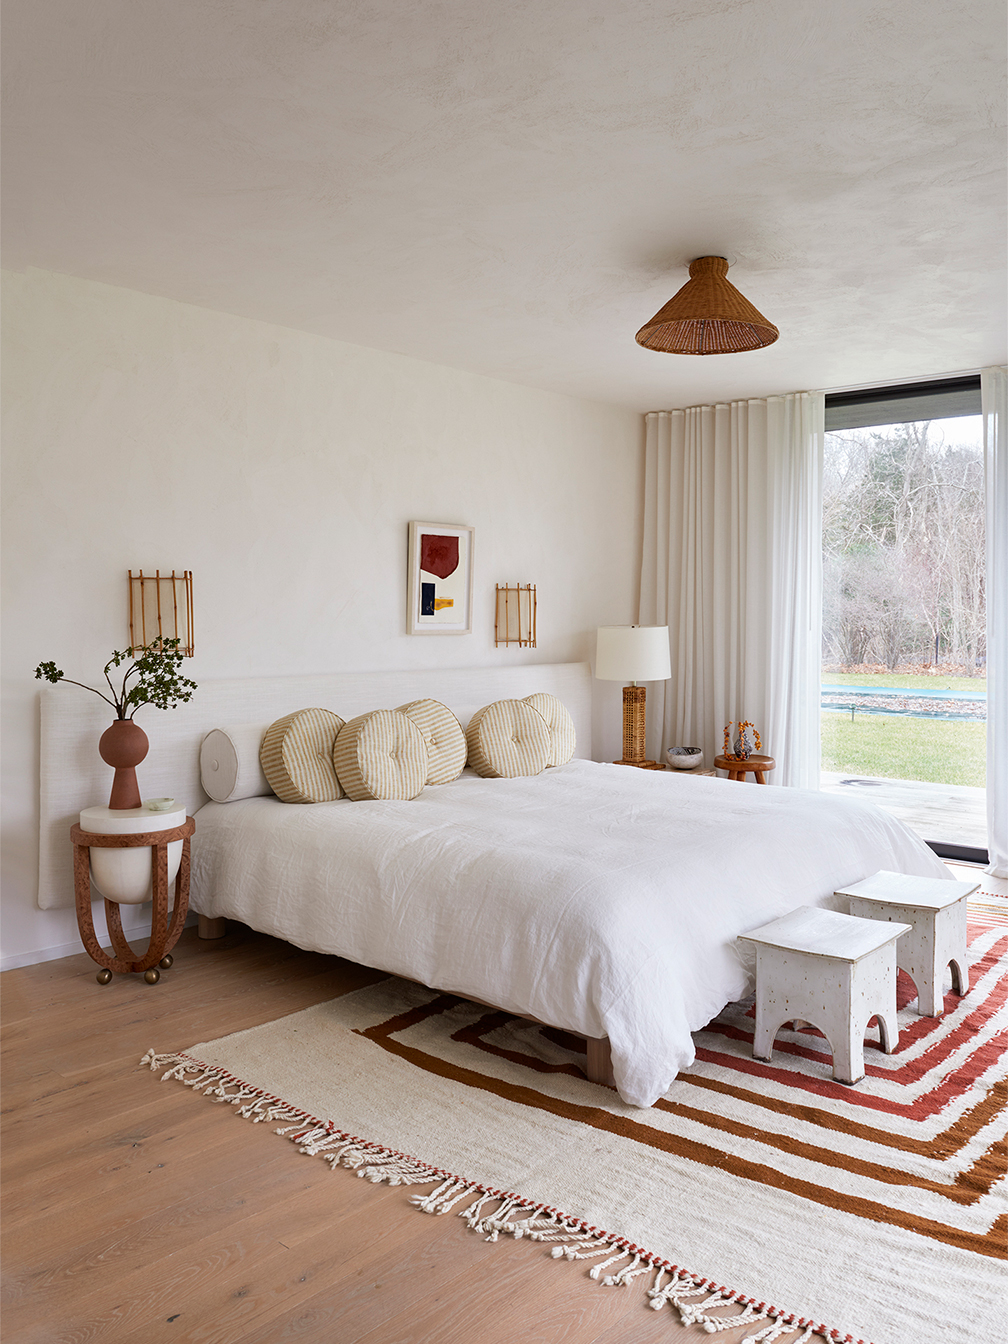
(161, 607)
(515, 618)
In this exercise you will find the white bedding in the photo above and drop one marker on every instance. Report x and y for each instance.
(596, 898)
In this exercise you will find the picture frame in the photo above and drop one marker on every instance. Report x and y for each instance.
(439, 580)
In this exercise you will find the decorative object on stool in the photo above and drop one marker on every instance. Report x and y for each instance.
(936, 911)
(741, 747)
(515, 616)
(633, 653)
(836, 972)
(685, 758)
(132, 855)
(159, 682)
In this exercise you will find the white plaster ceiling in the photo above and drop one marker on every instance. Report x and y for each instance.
(515, 186)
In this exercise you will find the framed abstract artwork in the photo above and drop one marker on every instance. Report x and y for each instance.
(440, 579)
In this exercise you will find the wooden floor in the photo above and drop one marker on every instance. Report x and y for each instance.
(135, 1210)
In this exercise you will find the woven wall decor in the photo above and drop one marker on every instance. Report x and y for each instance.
(161, 607)
(515, 619)
(708, 316)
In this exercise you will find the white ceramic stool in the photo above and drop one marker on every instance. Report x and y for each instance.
(835, 971)
(936, 909)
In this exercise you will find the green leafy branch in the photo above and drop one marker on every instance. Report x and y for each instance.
(156, 673)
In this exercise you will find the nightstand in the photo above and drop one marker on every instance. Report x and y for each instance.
(160, 841)
(737, 768)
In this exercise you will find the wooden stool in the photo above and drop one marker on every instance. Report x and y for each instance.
(163, 936)
(834, 971)
(936, 911)
(738, 768)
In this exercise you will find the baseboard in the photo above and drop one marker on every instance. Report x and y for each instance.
(34, 958)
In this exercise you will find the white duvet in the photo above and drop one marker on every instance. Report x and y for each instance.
(596, 898)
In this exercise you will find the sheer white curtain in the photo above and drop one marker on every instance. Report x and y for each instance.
(994, 400)
(732, 563)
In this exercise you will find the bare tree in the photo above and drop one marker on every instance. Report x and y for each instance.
(903, 543)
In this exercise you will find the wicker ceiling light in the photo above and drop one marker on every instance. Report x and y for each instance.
(707, 317)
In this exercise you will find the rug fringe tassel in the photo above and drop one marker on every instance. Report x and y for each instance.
(572, 1240)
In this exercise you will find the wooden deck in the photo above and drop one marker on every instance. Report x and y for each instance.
(952, 813)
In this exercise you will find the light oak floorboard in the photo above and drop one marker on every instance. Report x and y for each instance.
(136, 1211)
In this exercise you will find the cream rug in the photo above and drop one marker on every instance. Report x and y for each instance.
(873, 1212)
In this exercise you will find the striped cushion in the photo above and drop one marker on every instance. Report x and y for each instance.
(446, 744)
(563, 739)
(381, 755)
(296, 756)
(507, 739)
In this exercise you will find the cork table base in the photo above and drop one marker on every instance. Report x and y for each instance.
(164, 936)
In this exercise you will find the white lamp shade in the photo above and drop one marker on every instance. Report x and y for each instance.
(633, 653)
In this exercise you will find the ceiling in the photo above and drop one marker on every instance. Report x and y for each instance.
(514, 188)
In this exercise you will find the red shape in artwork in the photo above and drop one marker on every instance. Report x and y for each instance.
(439, 555)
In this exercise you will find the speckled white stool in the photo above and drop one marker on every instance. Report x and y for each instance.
(936, 910)
(834, 971)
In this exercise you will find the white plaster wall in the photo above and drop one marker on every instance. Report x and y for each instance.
(282, 468)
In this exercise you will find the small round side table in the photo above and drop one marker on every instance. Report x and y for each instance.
(164, 936)
(737, 768)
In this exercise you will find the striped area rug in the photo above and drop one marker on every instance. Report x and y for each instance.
(760, 1191)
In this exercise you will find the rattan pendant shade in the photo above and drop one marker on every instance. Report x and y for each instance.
(707, 317)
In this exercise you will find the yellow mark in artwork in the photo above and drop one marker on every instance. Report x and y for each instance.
(440, 602)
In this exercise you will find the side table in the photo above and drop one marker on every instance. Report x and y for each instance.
(164, 936)
(936, 910)
(737, 768)
(835, 971)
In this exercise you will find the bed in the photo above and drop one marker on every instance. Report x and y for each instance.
(594, 898)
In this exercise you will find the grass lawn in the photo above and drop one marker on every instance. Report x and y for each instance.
(927, 683)
(937, 751)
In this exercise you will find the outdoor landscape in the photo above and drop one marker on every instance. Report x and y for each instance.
(904, 654)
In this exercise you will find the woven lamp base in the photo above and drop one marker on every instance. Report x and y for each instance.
(633, 729)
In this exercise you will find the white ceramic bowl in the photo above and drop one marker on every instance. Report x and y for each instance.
(684, 758)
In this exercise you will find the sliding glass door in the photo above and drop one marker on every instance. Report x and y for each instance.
(904, 675)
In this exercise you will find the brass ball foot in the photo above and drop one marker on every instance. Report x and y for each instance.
(166, 962)
(104, 976)
(152, 976)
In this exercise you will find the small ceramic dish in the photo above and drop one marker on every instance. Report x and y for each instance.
(159, 804)
(684, 758)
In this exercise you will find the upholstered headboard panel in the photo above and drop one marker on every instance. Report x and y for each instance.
(73, 775)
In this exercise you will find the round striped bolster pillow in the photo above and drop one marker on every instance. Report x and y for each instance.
(563, 738)
(381, 755)
(446, 743)
(296, 756)
(507, 739)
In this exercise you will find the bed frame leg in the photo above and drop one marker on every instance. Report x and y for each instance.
(600, 1069)
(212, 928)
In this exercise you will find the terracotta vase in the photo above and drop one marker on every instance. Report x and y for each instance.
(123, 745)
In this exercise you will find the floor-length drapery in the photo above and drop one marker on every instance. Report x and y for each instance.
(994, 401)
(732, 563)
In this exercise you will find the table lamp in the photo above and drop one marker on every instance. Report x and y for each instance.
(633, 653)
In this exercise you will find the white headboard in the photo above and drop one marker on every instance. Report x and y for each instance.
(73, 775)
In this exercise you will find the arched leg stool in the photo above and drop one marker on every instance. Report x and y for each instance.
(835, 971)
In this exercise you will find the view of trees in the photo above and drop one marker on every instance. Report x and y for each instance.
(903, 549)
